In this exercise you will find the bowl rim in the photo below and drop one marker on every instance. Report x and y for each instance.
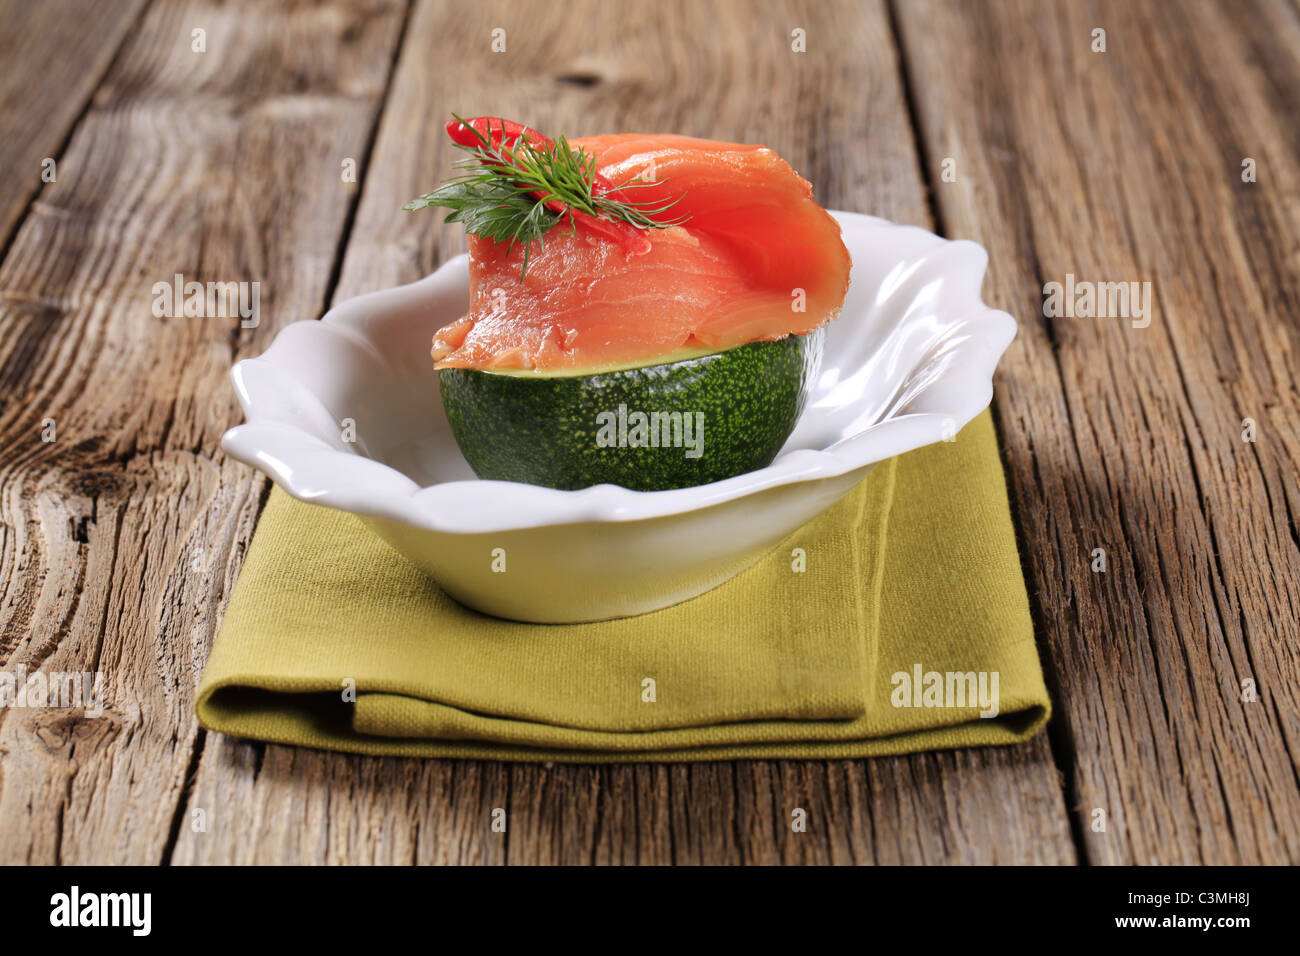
(314, 470)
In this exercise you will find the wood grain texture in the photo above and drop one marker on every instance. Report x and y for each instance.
(120, 540)
(52, 57)
(1127, 166)
(727, 70)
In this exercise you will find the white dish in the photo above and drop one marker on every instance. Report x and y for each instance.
(909, 361)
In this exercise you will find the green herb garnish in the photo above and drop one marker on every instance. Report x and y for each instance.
(510, 193)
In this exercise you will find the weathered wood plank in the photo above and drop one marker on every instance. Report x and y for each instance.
(1126, 166)
(52, 56)
(119, 540)
(725, 70)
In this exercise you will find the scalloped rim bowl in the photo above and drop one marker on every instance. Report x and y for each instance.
(345, 412)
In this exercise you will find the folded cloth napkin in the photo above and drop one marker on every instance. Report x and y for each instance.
(895, 622)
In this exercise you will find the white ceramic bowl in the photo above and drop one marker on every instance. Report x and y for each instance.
(908, 362)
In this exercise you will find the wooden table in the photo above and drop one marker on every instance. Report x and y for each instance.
(996, 121)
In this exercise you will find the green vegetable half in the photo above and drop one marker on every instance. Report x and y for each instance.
(681, 423)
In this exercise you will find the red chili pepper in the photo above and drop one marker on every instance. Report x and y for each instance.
(504, 134)
(497, 131)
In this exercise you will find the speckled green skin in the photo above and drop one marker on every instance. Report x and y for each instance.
(543, 431)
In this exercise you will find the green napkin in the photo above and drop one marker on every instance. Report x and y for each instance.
(871, 630)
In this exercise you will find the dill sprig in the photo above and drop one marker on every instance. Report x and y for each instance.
(503, 194)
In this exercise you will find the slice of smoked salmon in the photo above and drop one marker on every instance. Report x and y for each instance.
(757, 259)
